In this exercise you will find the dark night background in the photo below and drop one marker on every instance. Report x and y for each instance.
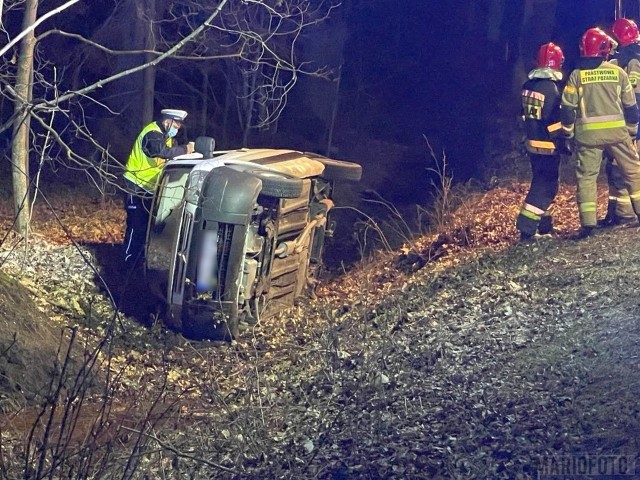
(449, 71)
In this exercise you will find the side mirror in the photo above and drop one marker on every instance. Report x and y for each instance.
(205, 146)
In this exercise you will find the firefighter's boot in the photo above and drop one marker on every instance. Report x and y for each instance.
(545, 226)
(610, 219)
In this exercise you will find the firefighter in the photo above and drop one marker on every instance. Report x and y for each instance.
(599, 110)
(154, 145)
(540, 110)
(619, 210)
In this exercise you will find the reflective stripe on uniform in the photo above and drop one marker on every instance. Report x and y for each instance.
(540, 147)
(541, 144)
(526, 213)
(624, 199)
(533, 94)
(587, 207)
(554, 127)
(634, 196)
(533, 209)
(589, 126)
(531, 212)
(601, 121)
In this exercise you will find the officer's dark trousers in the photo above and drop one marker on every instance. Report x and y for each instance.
(544, 187)
(138, 208)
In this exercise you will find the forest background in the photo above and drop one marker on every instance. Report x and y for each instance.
(366, 81)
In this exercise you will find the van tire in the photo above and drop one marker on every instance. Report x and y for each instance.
(339, 169)
(277, 184)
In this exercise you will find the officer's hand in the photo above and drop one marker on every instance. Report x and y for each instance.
(190, 147)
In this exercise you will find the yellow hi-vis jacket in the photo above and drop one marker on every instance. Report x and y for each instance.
(144, 171)
(598, 97)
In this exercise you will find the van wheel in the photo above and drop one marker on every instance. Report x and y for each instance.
(339, 169)
(278, 185)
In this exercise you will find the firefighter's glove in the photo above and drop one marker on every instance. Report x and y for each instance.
(564, 147)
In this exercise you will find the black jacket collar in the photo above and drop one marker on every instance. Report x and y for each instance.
(589, 63)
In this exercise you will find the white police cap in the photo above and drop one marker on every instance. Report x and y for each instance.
(173, 114)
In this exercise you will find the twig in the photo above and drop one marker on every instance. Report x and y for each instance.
(183, 454)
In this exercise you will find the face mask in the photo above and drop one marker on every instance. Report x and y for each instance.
(172, 132)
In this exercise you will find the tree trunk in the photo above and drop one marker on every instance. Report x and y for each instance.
(334, 112)
(205, 102)
(149, 80)
(21, 126)
(249, 103)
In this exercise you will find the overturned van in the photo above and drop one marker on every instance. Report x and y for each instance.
(236, 236)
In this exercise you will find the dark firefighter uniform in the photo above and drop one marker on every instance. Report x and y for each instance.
(599, 109)
(150, 151)
(540, 110)
(619, 209)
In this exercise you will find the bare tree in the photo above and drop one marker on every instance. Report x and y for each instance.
(20, 145)
(255, 39)
(271, 62)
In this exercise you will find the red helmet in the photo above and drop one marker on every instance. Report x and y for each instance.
(550, 55)
(596, 43)
(626, 31)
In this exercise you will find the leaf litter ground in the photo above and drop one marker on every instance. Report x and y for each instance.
(463, 355)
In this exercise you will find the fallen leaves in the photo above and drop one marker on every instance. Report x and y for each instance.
(474, 364)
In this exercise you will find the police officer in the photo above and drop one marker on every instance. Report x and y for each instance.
(154, 145)
(540, 110)
(619, 210)
(599, 109)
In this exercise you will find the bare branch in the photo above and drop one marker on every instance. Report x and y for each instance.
(132, 52)
(178, 453)
(38, 22)
(105, 81)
